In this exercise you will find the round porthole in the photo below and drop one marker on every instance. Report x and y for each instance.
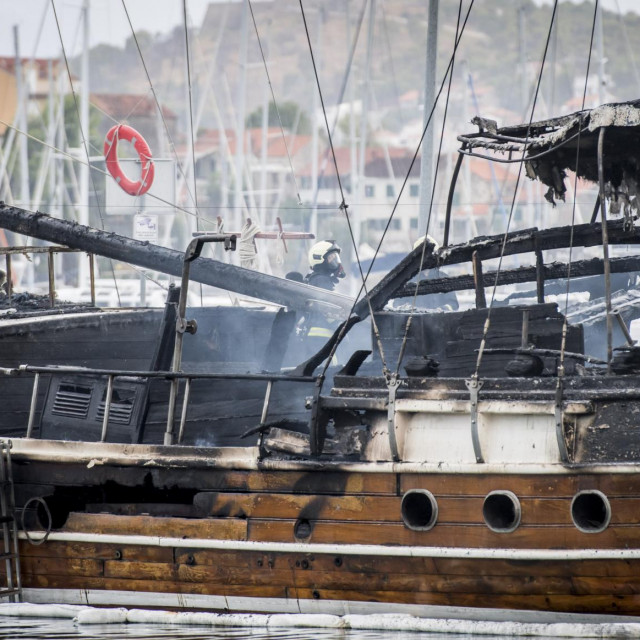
(419, 510)
(302, 529)
(501, 511)
(590, 511)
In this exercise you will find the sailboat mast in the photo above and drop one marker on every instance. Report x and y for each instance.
(601, 58)
(426, 165)
(22, 122)
(240, 111)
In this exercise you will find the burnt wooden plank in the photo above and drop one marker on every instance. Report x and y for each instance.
(436, 566)
(160, 586)
(218, 528)
(529, 485)
(61, 566)
(207, 479)
(447, 535)
(606, 604)
(340, 578)
(96, 551)
(356, 507)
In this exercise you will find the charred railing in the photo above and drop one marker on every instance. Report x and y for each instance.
(8, 252)
(171, 376)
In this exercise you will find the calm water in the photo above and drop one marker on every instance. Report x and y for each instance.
(36, 629)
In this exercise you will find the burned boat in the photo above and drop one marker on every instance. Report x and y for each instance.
(499, 477)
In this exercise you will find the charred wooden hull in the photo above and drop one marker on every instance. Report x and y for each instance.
(217, 529)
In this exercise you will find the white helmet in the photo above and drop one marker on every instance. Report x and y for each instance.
(324, 256)
(430, 239)
(320, 250)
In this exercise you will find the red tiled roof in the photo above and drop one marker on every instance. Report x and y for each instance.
(123, 105)
(8, 64)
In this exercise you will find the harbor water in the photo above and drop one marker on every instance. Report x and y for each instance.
(56, 629)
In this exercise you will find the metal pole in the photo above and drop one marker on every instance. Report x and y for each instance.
(23, 95)
(32, 407)
(52, 280)
(83, 208)
(601, 60)
(605, 250)
(185, 404)
(107, 406)
(238, 202)
(426, 165)
(313, 226)
(364, 115)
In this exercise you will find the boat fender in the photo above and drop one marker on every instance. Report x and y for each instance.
(102, 616)
(147, 171)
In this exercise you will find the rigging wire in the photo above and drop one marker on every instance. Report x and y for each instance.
(275, 104)
(83, 136)
(487, 323)
(433, 192)
(343, 205)
(396, 204)
(565, 323)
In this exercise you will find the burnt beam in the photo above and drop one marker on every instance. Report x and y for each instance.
(553, 271)
(294, 295)
(528, 240)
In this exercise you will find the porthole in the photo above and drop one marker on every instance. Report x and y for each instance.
(302, 529)
(419, 510)
(590, 511)
(501, 511)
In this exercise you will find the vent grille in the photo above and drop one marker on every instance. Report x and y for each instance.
(72, 400)
(119, 412)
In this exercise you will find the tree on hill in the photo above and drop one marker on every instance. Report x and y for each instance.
(292, 116)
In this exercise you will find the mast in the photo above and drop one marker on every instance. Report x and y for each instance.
(426, 165)
(522, 58)
(363, 126)
(313, 227)
(22, 92)
(83, 208)
(601, 59)
(238, 203)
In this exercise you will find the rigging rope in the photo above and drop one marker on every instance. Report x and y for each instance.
(275, 104)
(83, 137)
(487, 323)
(343, 205)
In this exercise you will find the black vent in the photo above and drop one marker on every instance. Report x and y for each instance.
(121, 408)
(72, 400)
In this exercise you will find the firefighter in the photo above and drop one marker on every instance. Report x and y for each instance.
(326, 267)
(326, 270)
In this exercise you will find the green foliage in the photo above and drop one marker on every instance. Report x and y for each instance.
(293, 118)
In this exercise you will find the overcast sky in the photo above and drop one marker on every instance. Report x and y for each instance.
(39, 34)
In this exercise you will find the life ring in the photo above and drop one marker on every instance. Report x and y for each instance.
(125, 132)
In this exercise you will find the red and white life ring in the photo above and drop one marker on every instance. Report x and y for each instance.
(125, 132)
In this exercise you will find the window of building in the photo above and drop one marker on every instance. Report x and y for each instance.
(414, 190)
(379, 224)
(413, 223)
(369, 191)
(391, 192)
